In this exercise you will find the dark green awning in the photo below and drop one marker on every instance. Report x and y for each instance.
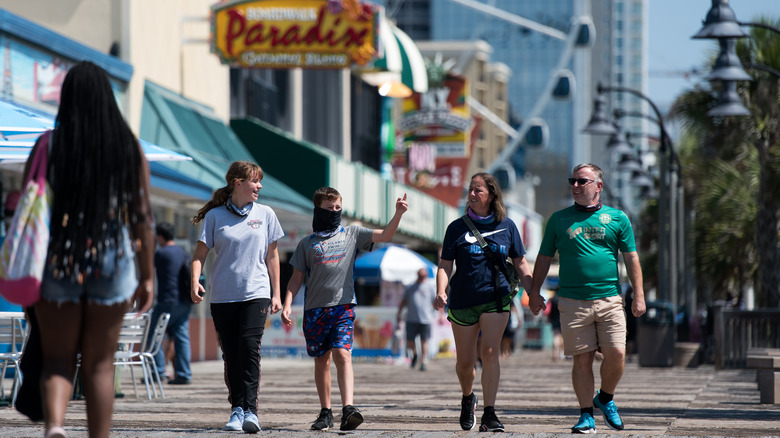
(187, 127)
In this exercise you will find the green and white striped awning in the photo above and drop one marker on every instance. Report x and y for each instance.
(398, 60)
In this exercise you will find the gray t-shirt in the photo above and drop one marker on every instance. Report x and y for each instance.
(419, 302)
(329, 264)
(240, 244)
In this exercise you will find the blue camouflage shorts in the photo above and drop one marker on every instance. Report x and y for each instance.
(328, 327)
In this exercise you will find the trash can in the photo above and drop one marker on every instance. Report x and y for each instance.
(655, 335)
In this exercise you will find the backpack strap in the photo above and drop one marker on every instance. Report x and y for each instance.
(490, 256)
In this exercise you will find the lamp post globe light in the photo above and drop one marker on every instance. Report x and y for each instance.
(721, 23)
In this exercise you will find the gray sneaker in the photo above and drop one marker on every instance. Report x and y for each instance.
(250, 425)
(236, 419)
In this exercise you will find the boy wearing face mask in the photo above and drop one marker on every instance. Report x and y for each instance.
(327, 258)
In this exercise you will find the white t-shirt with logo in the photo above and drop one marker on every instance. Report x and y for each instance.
(240, 244)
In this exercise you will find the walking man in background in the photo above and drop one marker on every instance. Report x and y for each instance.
(587, 237)
(173, 296)
(420, 315)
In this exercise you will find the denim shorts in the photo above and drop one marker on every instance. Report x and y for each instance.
(115, 284)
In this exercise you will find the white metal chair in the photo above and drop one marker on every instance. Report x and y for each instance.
(155, 343)
(13, 336)
(130, 349)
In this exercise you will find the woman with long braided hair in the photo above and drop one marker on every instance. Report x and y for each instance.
(101, 221)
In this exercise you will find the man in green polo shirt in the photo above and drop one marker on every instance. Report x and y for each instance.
(587, 237)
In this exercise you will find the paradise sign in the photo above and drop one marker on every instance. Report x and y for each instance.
(325, 34)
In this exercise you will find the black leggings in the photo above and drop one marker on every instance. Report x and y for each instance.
(240, 330)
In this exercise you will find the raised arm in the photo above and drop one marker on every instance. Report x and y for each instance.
(385, 235)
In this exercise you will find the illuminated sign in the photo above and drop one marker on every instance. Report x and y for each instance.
(294, 33)
(436, 129)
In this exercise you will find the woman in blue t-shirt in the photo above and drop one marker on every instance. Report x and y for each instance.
(479, 295)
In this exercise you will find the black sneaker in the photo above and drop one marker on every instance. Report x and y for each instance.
(324, 420)
(179, 381)
(467, 407)
(351, 418)
(490, 422)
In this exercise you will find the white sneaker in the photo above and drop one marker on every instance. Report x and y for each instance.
(251, 425)
(236, 419)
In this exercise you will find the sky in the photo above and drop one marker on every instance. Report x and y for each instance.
(672, 52)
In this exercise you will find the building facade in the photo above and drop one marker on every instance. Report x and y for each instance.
(618, 56)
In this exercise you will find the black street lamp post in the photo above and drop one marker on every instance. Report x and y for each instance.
(722, 24)
(671, 234)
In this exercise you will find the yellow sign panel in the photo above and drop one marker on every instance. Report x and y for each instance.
(293, 33)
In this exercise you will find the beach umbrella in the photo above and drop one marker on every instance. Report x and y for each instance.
(392, 263)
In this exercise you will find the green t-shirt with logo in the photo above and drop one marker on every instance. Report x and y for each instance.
(588, 244)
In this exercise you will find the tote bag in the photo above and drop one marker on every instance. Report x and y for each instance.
(23, 253)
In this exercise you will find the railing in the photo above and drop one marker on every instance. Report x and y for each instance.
(737, 330)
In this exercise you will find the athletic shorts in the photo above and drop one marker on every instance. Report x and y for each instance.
(589, 324)
(115, 284)
(328, 327)
(414, 329)
(470, 315)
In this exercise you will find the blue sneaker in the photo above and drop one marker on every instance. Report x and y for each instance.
(236, 419)
(609, 410)
(586, 424)
(251, 425)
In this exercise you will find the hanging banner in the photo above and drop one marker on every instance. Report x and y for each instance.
(316, 34)
(436, 131)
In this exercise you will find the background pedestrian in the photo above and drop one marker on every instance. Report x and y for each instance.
(420, 316)
(173, 297)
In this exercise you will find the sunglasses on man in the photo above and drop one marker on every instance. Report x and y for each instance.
(580, 181)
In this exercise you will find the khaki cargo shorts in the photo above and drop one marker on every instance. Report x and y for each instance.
(589, 324)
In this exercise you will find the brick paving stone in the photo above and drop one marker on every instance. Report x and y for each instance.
(535, 400)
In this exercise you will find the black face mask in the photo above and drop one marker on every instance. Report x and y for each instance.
(325, 220)
(591, 208)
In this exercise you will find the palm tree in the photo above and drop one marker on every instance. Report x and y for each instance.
(735, 176)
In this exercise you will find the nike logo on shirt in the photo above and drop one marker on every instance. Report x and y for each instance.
(471, 239)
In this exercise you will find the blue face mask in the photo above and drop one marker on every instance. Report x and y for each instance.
(236, 210)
